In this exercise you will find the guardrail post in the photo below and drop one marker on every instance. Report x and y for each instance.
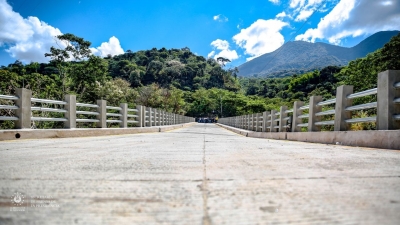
(255, 121)
(273, 122)
(258, 115)
(387, 108)
(148, 109)
(168, 118)
(312, 118)
(102, 117)
(163, 118)
(154, 116)
(252, 117)
(124, 113)
(251, 125)
(282, 116)
(296, 113)
(264, 121)
(342, 102)
(140, 115)
(157, 115)
(70, 115)
(24, 108)
(160, 117)
(261, 122)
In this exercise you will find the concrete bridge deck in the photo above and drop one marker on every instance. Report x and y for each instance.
(201, 174)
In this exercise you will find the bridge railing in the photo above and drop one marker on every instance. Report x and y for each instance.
(71, 112)
(340, 108)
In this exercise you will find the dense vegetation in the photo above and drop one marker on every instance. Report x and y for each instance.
(179, 81)
(299, 57)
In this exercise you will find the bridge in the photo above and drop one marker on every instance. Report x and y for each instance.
(143, 165)
(198, 174)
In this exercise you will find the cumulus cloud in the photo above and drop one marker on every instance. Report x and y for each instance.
(220, 18)
(274, 1)
(281, 15)
(28, 39)
(303, 9)
(211, 54)
(355, 18)
(263, 36)
(112, 47)
(223, 47)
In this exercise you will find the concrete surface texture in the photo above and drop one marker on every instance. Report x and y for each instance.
(201, 174)
(387, 139)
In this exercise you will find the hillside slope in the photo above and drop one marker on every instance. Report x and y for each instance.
(300, 56)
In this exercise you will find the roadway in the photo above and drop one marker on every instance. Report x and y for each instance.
(202, 174)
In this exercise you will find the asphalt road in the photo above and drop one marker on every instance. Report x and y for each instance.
(202, 174)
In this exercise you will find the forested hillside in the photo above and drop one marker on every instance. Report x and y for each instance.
(179, 81)
(299, 57)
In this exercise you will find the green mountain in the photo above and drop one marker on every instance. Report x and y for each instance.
(298, 57)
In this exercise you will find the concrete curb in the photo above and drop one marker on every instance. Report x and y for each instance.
(387, 139)
(82, 132)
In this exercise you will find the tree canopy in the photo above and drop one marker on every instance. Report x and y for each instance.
(180, 81)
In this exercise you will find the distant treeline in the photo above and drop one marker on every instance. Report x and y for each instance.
(179, 81)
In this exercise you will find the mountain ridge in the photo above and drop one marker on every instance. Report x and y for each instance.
(300, 56)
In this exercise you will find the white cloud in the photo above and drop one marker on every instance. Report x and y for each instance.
(274, 1)
(112, 47)
(220, 18)
(281, 15)
(263, 36)
(251, 58)
(355, 18)
(387, 3)
(211, 54)
(29, 38)
(223, 47)
(297, 3)
(12, 25)
(304, 14)
(220, 44)
(303, 9)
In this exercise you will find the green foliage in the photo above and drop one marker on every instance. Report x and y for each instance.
(114, 91)
(71, 46)
(179, 68)
(362, 73)
(179, 81)
(299, 57)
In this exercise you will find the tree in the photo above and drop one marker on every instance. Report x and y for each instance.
(70, 46)
(222, 61)
(84, 76)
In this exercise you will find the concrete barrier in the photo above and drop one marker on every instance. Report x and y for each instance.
(387, 139)
(17, 134)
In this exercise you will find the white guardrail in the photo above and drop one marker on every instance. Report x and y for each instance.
(387, 116)
(141, 116)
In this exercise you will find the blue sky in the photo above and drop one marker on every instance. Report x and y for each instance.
(238, 30)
